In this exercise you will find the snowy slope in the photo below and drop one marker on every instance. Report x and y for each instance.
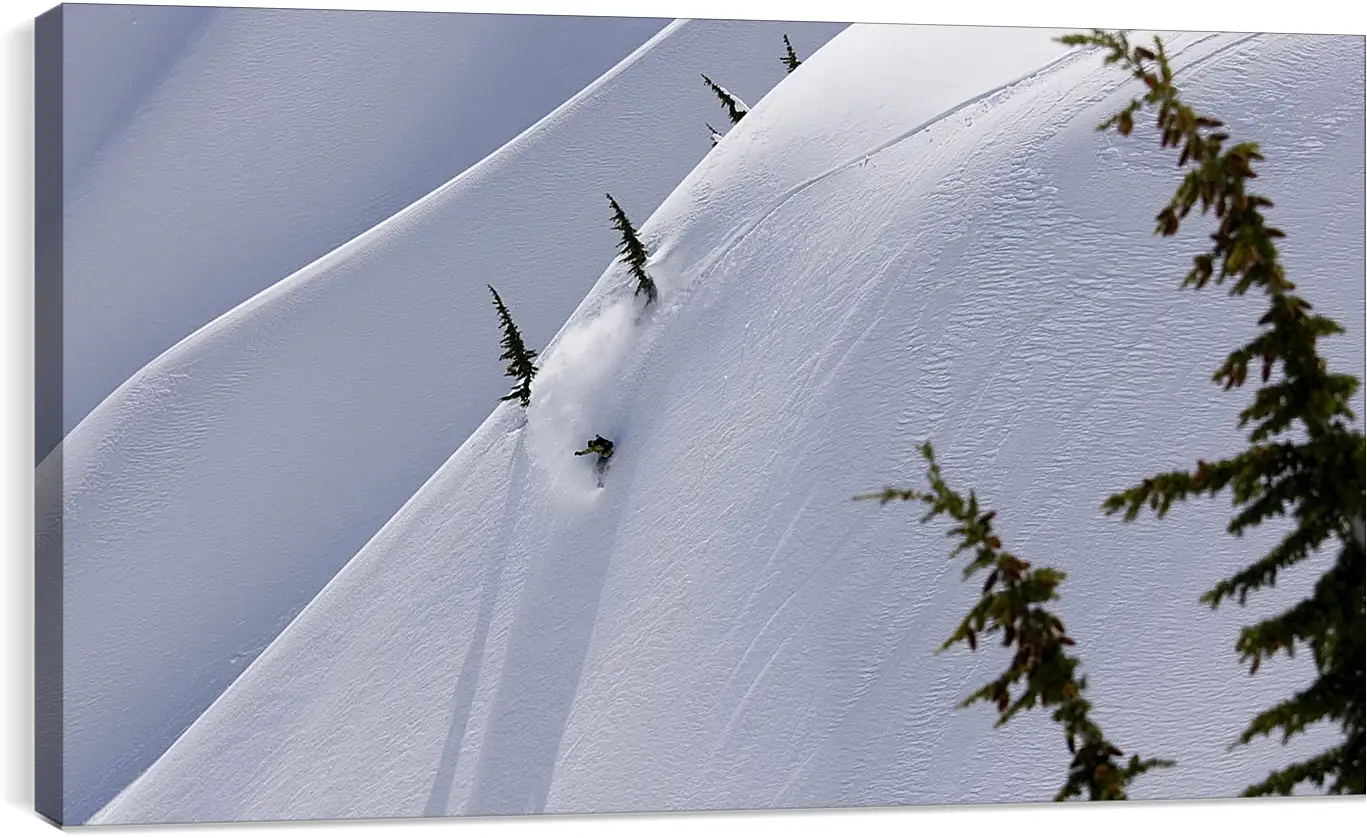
(901, 241)
(212, 152)
(113, 56)
(212, 496)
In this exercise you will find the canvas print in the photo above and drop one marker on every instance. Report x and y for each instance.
(451, 414)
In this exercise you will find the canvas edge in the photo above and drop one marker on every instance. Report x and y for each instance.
(48, 112)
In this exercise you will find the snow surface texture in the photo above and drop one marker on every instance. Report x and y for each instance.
(918, 234)
(211, 497)
(213, 151)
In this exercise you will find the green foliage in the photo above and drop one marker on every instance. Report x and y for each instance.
(735, 108)
(633, 252)
(1303, 461)
(1043, 672)
(789, 58)
(515, 352)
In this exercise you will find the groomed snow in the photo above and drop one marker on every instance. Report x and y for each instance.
(203, 504)
(918, 234)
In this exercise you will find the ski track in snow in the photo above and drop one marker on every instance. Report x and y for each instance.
(865, 156)
(463, 696)
(273, 442)
(720, 627)
(607, 335)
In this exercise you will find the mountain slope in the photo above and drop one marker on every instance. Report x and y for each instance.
(113, 56)
(906, 239)
(196, 170)
(205, 502)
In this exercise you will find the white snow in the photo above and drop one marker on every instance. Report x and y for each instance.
(215, 492)
(249, 142)
(919, 235)
(114, 56)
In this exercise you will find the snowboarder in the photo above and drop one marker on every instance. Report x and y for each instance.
(603, 448)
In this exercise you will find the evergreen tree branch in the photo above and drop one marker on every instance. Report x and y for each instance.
(1042, 672)
(1332, 766)
(516, 353)
(789, 58)
(633, 252)
(1304, 460)
(735, 108)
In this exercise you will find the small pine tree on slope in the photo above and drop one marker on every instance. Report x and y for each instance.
(633, 252)
(515, 352)
(717, 136)
(735, 108)
(789, 58)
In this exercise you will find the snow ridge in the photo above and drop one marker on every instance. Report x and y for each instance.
(720, 626)
(273, 443)
(224, 149)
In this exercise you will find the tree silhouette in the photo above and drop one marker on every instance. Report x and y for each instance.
(1304, 460)
(633, 252)
(1043, 671)
(789, 58)
(735, 108)
(515, 352)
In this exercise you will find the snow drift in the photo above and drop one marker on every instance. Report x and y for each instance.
(197, 509)
(918, 234)
(211, 152)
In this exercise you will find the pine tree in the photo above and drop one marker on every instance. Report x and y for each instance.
(789, 57)
(1043, 671)
(1303, 461)
(717, 136)
(515, 352)
(633, 252)
(735, 108)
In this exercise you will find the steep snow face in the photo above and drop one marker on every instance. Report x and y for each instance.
(919, 234)
(221, 150)
(210, 498)
(113, 56)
